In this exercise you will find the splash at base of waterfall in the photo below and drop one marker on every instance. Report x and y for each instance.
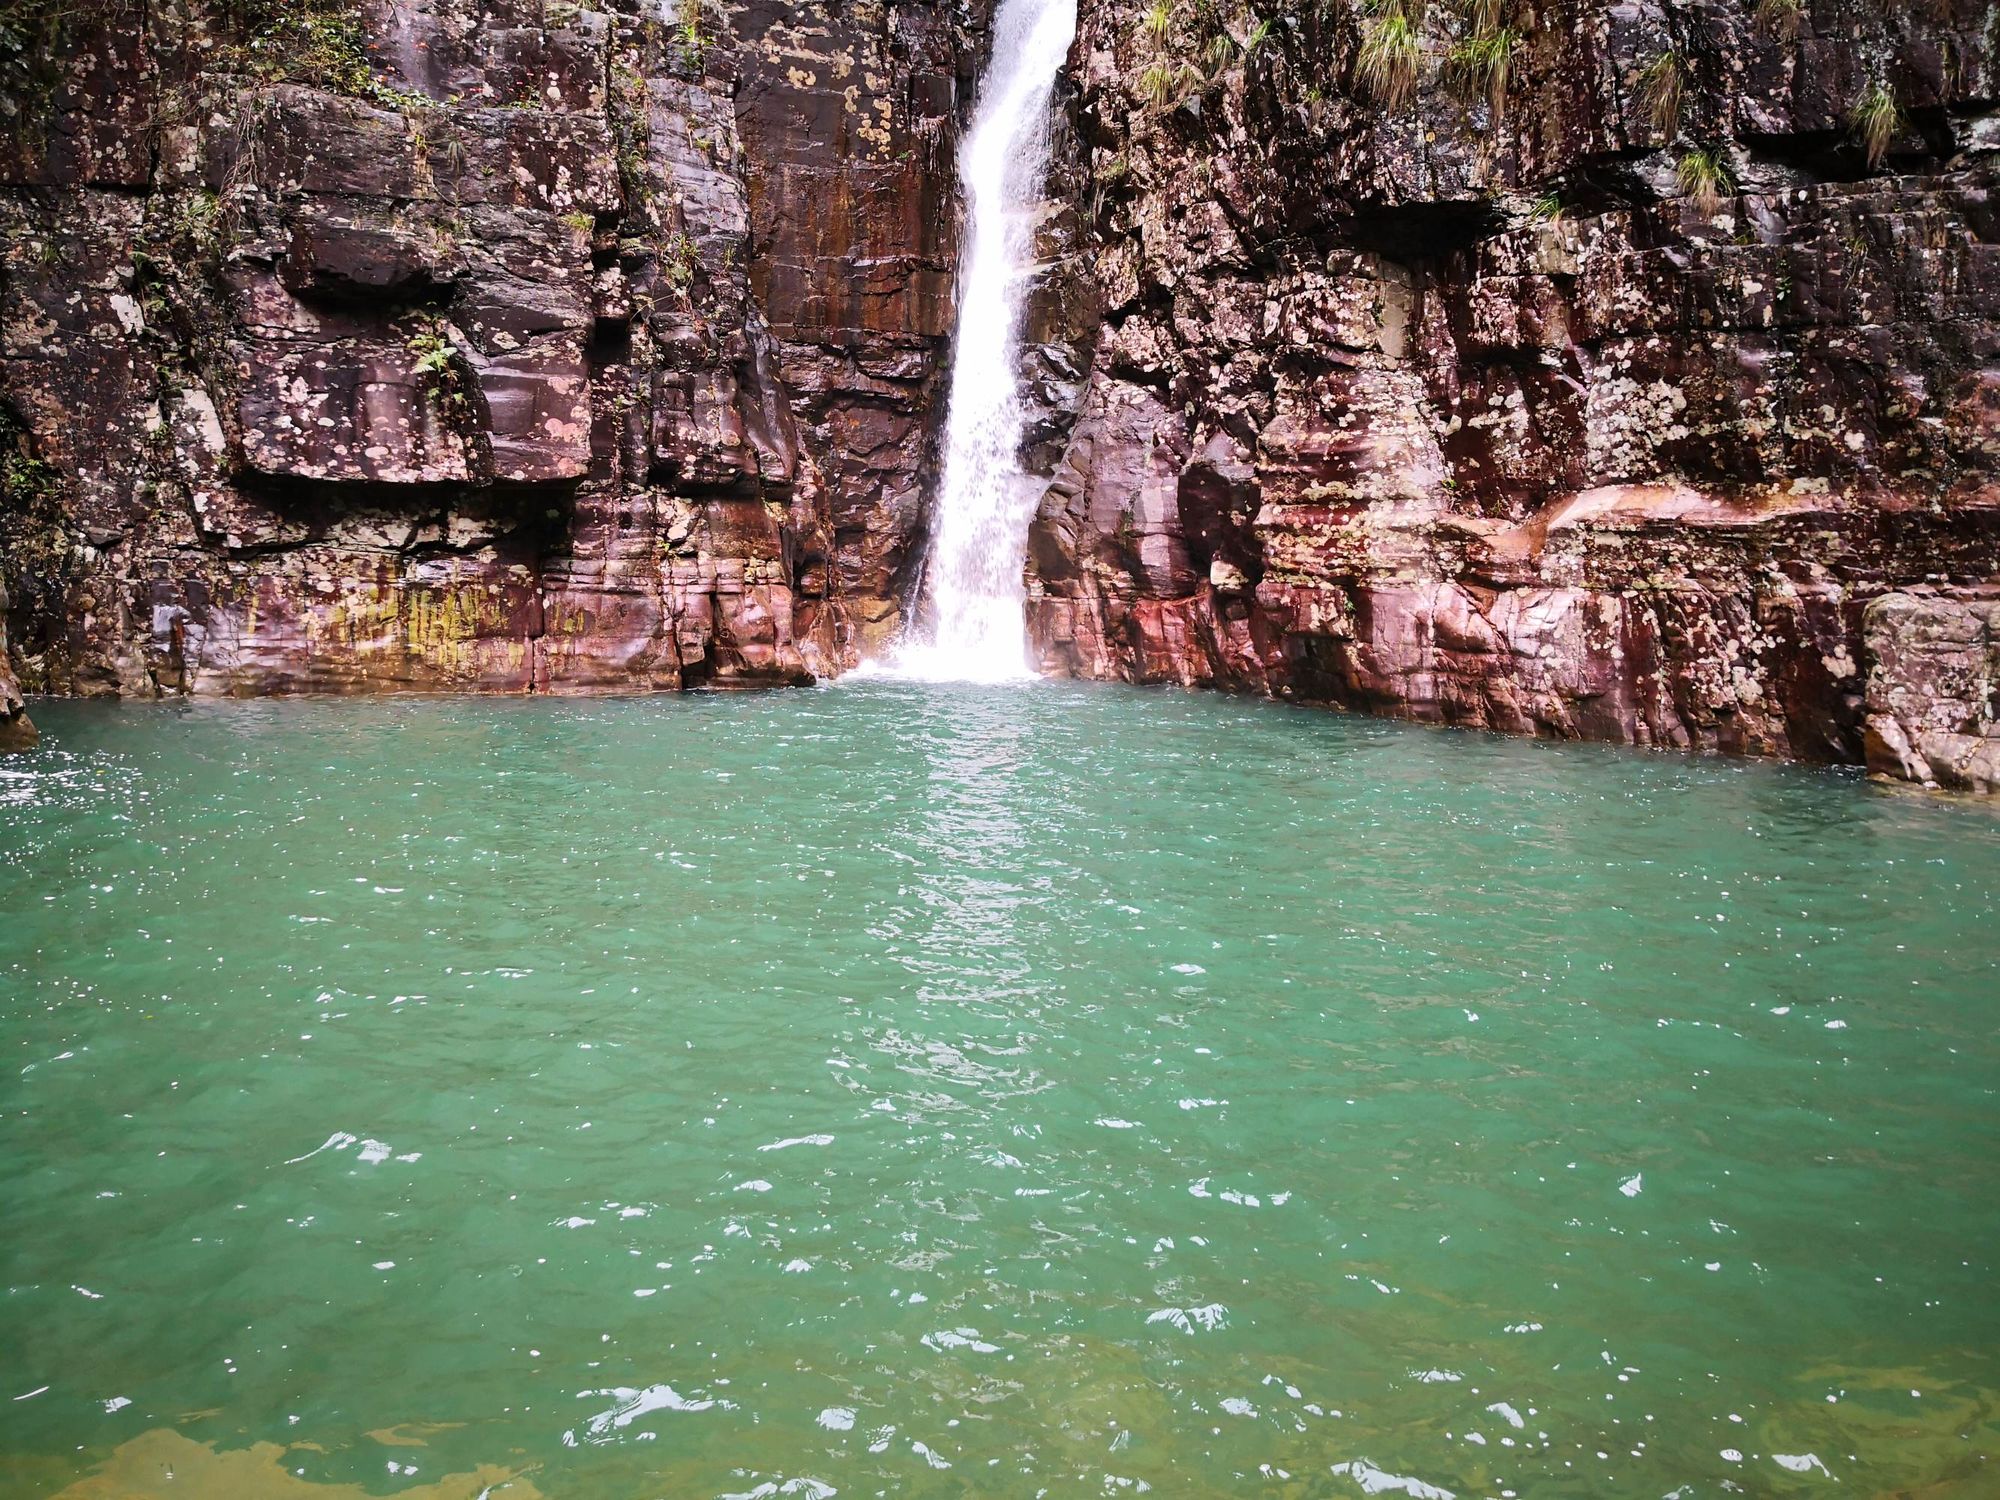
(974, 621)
(926, 661)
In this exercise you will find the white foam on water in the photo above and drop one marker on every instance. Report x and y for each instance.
(1187, 1319)
(1374, 1481)
(632, 1404)
(805, 1486)
(958, 1338)
(798, 1140)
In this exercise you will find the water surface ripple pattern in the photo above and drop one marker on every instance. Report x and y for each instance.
(945, 1090)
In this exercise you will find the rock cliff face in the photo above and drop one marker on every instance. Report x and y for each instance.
(1609, 393)
(1623, 371)
(472, 344)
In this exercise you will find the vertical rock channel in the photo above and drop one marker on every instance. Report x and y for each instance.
(972, 628)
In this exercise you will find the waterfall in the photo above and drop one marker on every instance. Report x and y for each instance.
(978, 632)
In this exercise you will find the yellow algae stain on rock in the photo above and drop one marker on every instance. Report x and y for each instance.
(162, 1463)
(439, 625)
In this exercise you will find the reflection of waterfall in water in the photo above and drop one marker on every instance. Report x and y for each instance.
(968, 837)
(977, 631)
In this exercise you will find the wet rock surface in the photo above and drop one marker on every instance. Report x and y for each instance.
(17, 730)
(1480, 416)
(1934, 688)
(475, 345)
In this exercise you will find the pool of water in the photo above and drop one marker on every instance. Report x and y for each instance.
(928, 1091)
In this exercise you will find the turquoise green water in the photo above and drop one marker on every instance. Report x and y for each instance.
(889, 1090)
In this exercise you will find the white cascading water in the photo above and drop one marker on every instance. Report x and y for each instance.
(977, 631)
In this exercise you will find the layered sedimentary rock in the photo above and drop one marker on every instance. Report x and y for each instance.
(488, 345)
(1645, 387)
(1479, 410)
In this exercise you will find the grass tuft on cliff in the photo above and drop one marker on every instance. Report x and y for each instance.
(316, 43)
(1877, 120)
(1391, 59)
(1705, 179)
(1483, 64)
(1662, 84)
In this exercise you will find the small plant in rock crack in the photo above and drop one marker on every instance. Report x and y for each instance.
(1662, 83)
(1705, 179)
(435, 364)
(1156, 85)
(1547, 209)
(194, 226)
(1391, 58)
(1877, 120)
(690, 36)
(680, 257)
(1157, 22)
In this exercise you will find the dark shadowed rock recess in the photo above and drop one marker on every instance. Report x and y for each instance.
(1645, 388)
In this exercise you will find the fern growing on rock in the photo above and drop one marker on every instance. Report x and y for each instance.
(434, 362)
